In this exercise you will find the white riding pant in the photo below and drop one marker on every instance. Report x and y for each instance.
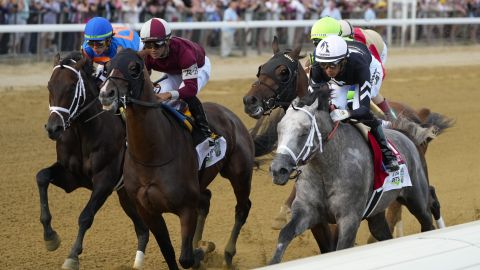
(175, 81)
(339, 94)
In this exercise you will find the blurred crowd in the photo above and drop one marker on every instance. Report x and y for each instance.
(137, 11)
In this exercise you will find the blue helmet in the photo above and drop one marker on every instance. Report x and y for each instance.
(98, 28)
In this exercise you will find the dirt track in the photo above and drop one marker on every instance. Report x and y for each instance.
(445, 83)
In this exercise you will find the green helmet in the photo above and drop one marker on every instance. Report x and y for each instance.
(324, 27)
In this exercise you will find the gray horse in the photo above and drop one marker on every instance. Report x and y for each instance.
(336, 179)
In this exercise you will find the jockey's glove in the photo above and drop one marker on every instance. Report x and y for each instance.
(101, 73)
(339, 115)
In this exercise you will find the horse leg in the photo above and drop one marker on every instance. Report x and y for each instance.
(282, 217)
(347, 228)
(422, 213)
(159, 229)
(435, 208)
(43, 177)
(298, 224)
(203, 210)
(394, 220)
(379, 227)
(241, 184)
(141, 229)
(324, 237)
(188, 222)
(100, 192)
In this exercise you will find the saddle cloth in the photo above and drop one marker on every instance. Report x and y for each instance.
(205, 152)
(384, 181)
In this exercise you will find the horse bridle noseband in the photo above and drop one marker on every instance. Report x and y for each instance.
(281, 91)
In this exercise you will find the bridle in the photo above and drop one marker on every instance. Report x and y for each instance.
(309, 149)
(75, 109)
(283, 89)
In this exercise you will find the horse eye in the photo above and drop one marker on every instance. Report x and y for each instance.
(285, 75)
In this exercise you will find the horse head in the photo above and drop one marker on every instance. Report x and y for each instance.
(126, 78)
(68, 85)
(299, 133)
(280, 80)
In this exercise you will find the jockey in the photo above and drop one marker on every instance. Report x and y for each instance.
(102, 41)
(338, 63)
(185, 64)
(328, 26)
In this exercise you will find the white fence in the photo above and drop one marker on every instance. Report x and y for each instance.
(403, 23)
(452, 248)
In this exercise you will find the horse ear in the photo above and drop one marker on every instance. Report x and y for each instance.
(79, 65)
(295, 54)
(135, 69)
(56, 59)
(275, 45)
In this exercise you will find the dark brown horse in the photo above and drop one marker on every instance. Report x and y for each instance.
(161, 169)
(90, 153)
(283, 78)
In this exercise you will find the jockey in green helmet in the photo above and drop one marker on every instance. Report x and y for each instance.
(323, 28)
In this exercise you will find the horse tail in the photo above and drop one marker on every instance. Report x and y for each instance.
(440, 122)
(264, 133)
(418, 134)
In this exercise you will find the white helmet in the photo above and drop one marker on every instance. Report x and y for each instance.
(331, 49)
(346, 27)
(155, 29)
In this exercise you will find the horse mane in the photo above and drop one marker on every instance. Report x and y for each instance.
(321, 92)
(439, 122)
(77, 56)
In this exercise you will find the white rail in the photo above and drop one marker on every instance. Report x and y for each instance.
(452, 248)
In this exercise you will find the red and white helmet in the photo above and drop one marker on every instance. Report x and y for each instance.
(155, 29)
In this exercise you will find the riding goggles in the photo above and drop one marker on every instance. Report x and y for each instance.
(96, 43)
(332, 65)
(154, 44)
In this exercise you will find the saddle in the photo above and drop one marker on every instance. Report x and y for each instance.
(207, 155)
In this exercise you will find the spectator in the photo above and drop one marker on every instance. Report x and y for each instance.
(331, 10)
(228, 33)
(369, 13)
(18, 14)
(50, 10)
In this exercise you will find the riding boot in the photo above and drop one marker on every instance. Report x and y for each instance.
(198, 114)
(389, 159)
(387, 110)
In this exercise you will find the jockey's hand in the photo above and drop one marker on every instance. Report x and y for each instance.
(339, 115)
(164, 96)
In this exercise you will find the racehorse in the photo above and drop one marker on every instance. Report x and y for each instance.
(280, 80)
(90, 151)
(161, 170)
(335, 172)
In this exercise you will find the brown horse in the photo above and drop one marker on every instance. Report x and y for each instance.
(161, 169)
(90, 152)
(283, 78)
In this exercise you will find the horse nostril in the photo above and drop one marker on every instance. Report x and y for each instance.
(111, 94)
(283, 171)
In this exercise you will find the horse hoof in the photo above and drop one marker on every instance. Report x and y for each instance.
(53, 243)
(71, 264)
(228, 259)
(198, 255)
(206, 246)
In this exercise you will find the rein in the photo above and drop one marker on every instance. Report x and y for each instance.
(76, 108)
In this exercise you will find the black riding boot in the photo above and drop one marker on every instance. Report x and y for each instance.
(198, 114)
(389, 159)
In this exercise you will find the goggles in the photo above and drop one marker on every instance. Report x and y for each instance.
(154, 44)
(316, 41)
(97, 43)
(332, 65)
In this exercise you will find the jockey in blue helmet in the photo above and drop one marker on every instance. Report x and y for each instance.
(102, 41)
